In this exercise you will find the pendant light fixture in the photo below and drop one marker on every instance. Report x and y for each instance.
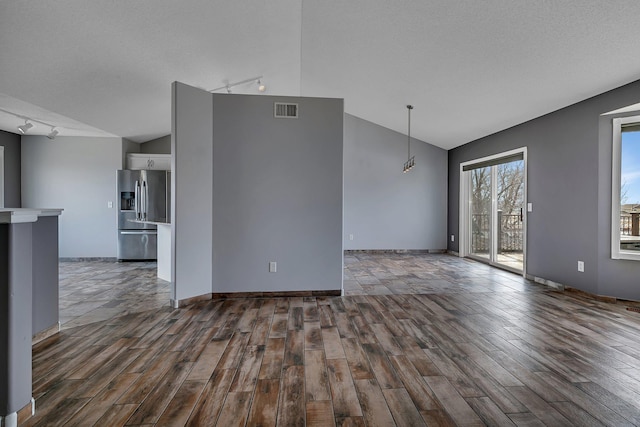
(410, 163)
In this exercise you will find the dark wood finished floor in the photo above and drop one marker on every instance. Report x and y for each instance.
(438, 341)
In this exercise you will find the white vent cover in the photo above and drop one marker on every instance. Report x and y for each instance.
(285, 110)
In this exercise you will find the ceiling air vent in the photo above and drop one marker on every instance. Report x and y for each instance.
(284, 110)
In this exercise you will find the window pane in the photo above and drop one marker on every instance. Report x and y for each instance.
(630, 189)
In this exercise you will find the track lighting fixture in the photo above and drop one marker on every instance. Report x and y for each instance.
(261, 86)
(52, 135)
(411, 161)
(25, 127)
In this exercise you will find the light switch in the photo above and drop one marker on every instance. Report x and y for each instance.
(529, 207)
(110, 204)
(273, 266)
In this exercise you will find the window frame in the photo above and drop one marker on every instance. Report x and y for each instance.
(616, 184)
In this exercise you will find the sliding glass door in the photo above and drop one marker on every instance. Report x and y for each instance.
(495, 231)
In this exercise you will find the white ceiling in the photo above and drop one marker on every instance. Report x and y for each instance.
(469, 67)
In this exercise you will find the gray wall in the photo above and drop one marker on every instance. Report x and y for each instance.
(268, 190)
(277, 194)
(192, 190)
(569, 184)
(76, 174)
(160, 145)
(11, 144)
(128, 147)
(385, 208)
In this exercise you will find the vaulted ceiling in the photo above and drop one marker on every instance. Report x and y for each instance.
(470, 68)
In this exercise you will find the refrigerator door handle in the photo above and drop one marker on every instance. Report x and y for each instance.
(145, 199)
(137, 200)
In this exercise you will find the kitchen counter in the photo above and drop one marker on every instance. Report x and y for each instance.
(28, 298)
(20, 215)
(164, 247)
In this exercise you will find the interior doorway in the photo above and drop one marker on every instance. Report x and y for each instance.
(492, 210)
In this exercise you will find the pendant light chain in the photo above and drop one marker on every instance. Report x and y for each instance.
(410, 163)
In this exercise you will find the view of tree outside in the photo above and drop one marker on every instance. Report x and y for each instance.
(510, 201)
(630, 189)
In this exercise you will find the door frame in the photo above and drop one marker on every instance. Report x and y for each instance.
(464, 211)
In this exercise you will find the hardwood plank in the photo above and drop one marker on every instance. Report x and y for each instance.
(350, 422)
(260, 332)
(316, 378)
(279, 325)
(235, 409)
(386, 339)
(159, 397)
(273, 358)
(357, 359)
(117, 415)
(208, 360)
(326, 316)
(264, 408)
(90, 414)
(291, 407)
(311, 313)
(294, 348)
(343, 392)
(381, 367)
(546, 413)
(332, 344)
(489, 411)
(180, 407)
(150, 378)
(232, 355)
(402, 408)
(452, 402)
(421, 394)
(320, 414)
(313, 336)
(247, 373)
(374, 407)
(211, 399)
(296, 318)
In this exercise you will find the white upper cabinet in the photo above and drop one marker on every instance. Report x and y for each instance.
(149, 161)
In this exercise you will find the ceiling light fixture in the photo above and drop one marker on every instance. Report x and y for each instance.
(410, 163)
(25, 127)
(227, 87)
(54, 132)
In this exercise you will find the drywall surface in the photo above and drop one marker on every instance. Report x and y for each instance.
(77, 174)
(569, 185)
(12, 154)
(128, 147)
(192, 191)
(277, 194)
(385, 208)
(160, 145)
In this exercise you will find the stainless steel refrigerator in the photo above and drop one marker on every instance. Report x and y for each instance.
(143, 195)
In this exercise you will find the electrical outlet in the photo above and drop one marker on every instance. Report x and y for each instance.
(453, 238)
(273, 267)
(350, 236)
(110, 204)
(581, 266)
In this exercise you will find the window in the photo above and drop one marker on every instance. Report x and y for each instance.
(625, 212)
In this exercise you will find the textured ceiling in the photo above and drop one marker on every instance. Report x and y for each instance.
(470, 68)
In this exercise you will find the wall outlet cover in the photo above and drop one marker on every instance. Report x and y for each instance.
(273, 266)
(581, 266)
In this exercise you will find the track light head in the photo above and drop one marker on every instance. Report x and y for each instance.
(228, 89)
(25, 127)
(261, 86)
(52, 135)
